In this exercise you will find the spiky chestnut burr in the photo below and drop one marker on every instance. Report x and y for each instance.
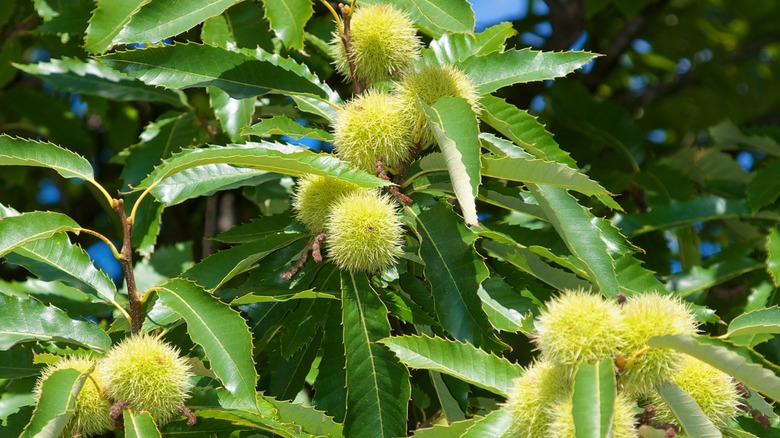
(146, 374)
(541, 385)
(313, 197)
(373, 126)
(364, 232)
(562, 419)
(579, 327)
(91, 414)
(384, 42)
(645, 316)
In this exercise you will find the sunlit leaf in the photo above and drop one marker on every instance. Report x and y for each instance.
(139, 425)
(453, 47)
(23, 152)
(496, 423)
(762, 321)
(437, 16)
(378, 388)
(282, 125)
(594, 399)
(456, 359)
(107, 20)
(687, 412)
(287, 19)
(57, 403)
(233, 114)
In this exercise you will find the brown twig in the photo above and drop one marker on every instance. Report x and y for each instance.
(116, 412)
(393, 189)
(346, 14)
(126, 261)
(191, 420)
(314, 246)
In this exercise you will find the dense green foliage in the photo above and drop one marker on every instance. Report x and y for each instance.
(166, 134)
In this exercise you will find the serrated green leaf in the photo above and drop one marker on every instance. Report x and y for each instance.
(207, 180)
(22, 152)
(220, 267)
(378, 388)
(330, 386)
(593, 401)
(181, 66)
(497, 70)
(505, 308)
(453, 47)
(700, 278)
(437, 16)
(731, 363)
(283, 125)
(455, 127)
(222, 333)
(311, 420)
(17, 231)
(457, 359)
(541, 172)
(233, 114)
(287, 19)
(92, 78)
(497, 423)
(107, 20)
(687, 412)
(281, 298)
(523, 129)
(522, 258)
(257, 228)
(270, 157)
(773, 255)
(455, 271)
(56, 404)
(25, 320)
(139, 425)
(450, 430)
(764, 188)
(17, 362)
(761, 321)
(679, 213)
(157, 20)
(582, 236)
(727, 132)
(241, 25)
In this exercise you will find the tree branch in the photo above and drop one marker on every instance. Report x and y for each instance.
(126, 260)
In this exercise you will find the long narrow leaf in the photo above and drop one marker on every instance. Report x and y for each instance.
(107, 20)
(594, 399)
(456, 359)
(455, 127)
(57, 403)
(437, 16)
(17, 231)
(139, 425)
(761, 321)
(181, 66)
(453, 47)
(25, 320)
(455, 271)
(688, 413)
(222, 333)
(378, 388)
(22, 152)
(729, 362)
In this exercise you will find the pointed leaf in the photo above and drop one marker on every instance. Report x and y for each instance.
(582, 236)
(311, 420)
(157, 20)
(207, 180)
(522, 258)
(699, 278)
(330, 386)
(139, 425)
(283, 125)
(455, 126)
(453, 47)
(22, 152)
(773, 255)
(92, 78)
(688, 413)
(437, 16)
(287, 19)
(497, 70)
(378, 388)
(505, 308)
(764, 188)
(107, 20)
(182, 66)
(497, 423)
(25, 320)
(222, 333)
(678, 213)
(57, 403)
(761, 321)
(594, 399)
(541, 172)
(523, 129)
(455, 271)
(233, 114)
(17, 231)
(457, 359)
(271, 157)
(729, 362)
(445, 430)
